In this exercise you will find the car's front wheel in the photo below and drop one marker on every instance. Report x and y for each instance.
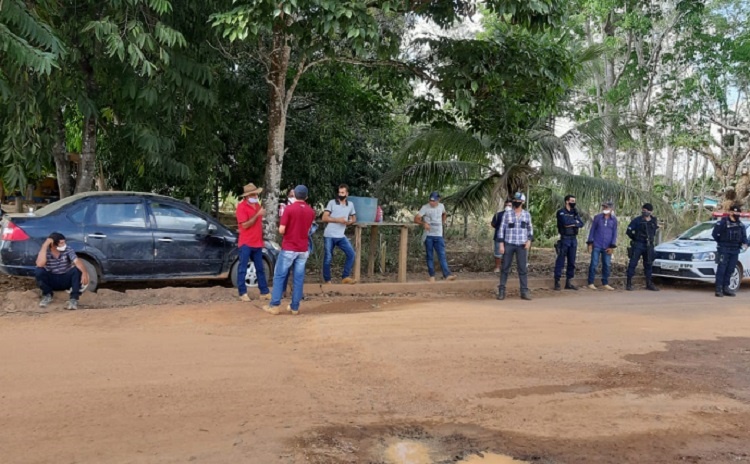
(251, 278)
(736, 278)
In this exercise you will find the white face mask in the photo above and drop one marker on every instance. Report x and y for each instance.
(291, 200)
(252, 201)
(508, 208)
(62, 248)
(607, 211)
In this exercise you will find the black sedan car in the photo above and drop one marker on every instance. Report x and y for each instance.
(129, 236)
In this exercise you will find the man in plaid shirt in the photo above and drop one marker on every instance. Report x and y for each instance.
(515, 235)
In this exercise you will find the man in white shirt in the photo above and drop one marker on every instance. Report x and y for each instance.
(432, 217)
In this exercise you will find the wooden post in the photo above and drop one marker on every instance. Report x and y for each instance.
(403, 251)
(373, 248)
(358, 252)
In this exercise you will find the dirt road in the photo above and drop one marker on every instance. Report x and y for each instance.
(596, 377)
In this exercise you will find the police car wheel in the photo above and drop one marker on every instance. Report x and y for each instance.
(734, 280)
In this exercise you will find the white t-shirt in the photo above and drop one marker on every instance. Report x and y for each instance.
(433, 217)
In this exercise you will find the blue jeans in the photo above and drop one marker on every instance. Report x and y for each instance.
(256, 255)
(346, 247)
(436, 244)
(600, 253)
(568, 248)
(296, 261)
(50, 282)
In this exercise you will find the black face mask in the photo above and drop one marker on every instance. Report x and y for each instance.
(342, 197)
(646, 213)
(572, 205)
(517, 204)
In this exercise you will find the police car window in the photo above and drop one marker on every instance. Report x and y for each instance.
(174, 218)
(701, 232)
(120, 215)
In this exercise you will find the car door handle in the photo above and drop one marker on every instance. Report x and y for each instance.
(166, 240)
(97, 235)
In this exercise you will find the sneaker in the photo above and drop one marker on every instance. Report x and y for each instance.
(265, 296)
(608, 287)
(431, 279)
(72, 305)
(244, 297)
(327, 282)
(497, 270)
(450, 278)
(591, 287)
(292, 311)
(348, 280)
(46, 299)
(271, 309)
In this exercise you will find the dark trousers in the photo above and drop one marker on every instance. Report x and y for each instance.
(568, 248)
(522, 259)
(641, 250)
(725, 268)
(50, 282)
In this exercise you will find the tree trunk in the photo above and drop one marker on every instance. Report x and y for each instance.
(101, 180)
(669, 174)
(610, 141)
(277, 108)
(87, 165)
(60, 155)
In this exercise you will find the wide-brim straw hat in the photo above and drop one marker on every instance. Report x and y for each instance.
(249, 189)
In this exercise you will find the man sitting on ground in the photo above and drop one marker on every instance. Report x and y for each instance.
(58, 268)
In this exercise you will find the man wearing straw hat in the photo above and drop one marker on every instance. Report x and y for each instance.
(250, 224)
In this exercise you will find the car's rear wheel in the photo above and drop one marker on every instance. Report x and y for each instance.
(736, 278)
(251, 278)
(93, 285)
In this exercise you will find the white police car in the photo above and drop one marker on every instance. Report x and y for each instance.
(692, 256)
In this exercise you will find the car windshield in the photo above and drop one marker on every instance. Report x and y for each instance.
(700, 232)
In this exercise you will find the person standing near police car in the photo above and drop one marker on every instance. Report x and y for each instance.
(568, 223)
(516, 234)
(731, 236)
(642, 233)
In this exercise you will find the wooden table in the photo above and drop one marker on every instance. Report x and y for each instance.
(403, 247)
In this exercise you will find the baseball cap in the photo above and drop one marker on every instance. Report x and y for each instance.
(434, 196)
(735, 208)
(608, 204)
(519, 196)
(300, 192)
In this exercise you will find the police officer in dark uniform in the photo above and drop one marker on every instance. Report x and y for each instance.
(568, 223)
(642, 233)
(730, 236)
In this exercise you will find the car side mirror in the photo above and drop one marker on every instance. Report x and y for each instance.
(212, 229)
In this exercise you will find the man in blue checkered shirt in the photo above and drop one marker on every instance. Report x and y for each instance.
(515, 235)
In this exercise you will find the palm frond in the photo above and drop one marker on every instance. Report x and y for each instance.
(477, 196)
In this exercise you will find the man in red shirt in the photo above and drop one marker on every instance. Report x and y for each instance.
(250, 224)
(294, 227)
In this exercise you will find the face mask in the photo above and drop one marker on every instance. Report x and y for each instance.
(252, 201)
(291, 200)
(62, 248)
(517, 204)
(607, 211)
(646, 213)
(342, 197)
(508, 208)
(572, 205)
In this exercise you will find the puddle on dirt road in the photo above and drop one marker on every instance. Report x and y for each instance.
(413, 452)
(408, 452)
(490, 458)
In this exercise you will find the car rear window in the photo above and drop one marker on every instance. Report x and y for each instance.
(120, 215)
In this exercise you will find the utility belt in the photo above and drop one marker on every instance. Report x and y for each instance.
(649, 249)
(558, 244)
